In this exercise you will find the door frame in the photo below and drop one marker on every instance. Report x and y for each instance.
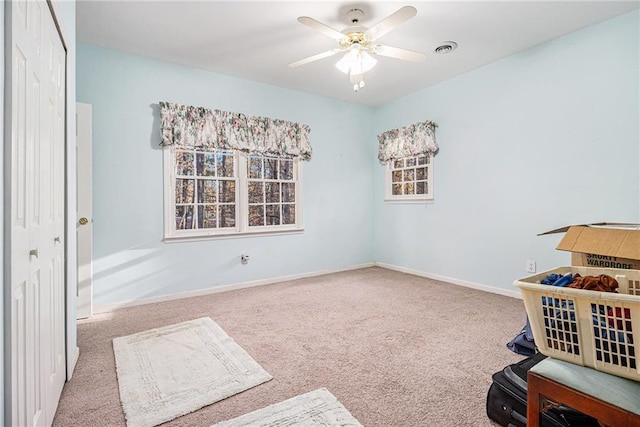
(84, 202)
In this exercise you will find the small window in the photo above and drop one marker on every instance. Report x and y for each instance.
(410, 180)
(213, 193)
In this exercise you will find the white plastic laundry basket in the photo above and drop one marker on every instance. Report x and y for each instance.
(600, 330)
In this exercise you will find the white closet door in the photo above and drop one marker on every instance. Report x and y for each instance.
(53, 226)
(37, 116)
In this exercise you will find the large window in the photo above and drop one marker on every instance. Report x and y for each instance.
(410, 179)
(212, 193)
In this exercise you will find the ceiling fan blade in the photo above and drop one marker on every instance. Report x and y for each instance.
(392, 21)
(314, 58)
(396, 52)
(319, 26)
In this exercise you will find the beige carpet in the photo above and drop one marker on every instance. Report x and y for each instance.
(167, 372)
(395, 349)
(316, 408)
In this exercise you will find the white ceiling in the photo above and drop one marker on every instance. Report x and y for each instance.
(257, 40)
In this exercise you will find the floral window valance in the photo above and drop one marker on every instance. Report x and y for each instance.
(412, 140)
(184, 125)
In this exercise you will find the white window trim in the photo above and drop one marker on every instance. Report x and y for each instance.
(242, 228)
(412, 198)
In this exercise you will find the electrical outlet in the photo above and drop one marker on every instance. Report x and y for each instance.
(531, 266)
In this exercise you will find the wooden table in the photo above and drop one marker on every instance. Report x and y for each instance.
(613, 401)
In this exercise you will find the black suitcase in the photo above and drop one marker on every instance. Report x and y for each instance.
(507, 400)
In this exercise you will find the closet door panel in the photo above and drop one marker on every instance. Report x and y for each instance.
(36, 213)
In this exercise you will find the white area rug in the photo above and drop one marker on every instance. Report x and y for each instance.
(167, 372)
(316, 408)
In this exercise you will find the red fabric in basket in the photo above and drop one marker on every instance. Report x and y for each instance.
(617, 320)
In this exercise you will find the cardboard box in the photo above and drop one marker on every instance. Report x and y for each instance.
(604, 245)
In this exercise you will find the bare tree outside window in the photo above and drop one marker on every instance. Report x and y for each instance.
(271, 191)
(410, 179)
(205, 189)
(220, 192)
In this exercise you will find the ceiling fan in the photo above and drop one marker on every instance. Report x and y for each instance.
(359, 43)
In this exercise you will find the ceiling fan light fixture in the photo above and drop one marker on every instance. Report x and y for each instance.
(367, 62)
(344, 64)
(356, 61)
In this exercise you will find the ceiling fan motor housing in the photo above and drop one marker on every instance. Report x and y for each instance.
(355, 35)
(355, 15)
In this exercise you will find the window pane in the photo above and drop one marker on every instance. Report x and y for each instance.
(256, 216)
(422, 160)
(273, 214)
(272, 192)
(207, 190)
(396, 189)
(184, 190)
(207, 216)
(411, 161)
(256, 192)
(286, 170)
(227, 216)
(227, 191)
(225, 163)
(421, 173)
(255, 167)
(270, 168)
(421, 187)
(397, 176)
(288, 192)
(409, 175)
(398, 164)
(408, 188)
(288, 214)
(205, 164)
(184, 163)
(184, 217)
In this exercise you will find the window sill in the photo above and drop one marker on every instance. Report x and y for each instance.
(232, 235)
(410, 201)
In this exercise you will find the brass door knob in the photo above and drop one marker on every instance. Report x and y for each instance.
(83, 221)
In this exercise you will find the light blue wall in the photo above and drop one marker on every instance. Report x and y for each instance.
(130, 259)
(544, 138)
(541, 139)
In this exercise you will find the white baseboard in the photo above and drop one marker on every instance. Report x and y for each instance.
(106, 308)
(473, 285)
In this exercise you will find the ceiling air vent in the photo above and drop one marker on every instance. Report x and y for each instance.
(445, 47)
